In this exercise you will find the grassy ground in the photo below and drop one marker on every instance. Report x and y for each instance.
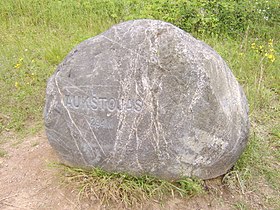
(124, 188)
(35, 36)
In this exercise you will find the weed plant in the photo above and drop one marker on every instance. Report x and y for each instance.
(127, 189)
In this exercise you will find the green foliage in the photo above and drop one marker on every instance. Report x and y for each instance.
(240, 206)
(213, 17)
(127, 189)
(3, 153)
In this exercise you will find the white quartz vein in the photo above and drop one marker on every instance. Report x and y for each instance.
(70, 117)
(94, 136)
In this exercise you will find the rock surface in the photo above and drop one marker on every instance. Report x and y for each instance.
(146, 97)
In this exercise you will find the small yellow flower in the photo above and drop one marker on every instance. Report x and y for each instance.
(16, 84)
(261, 47)
(253, 45)
(271, 57)
(32, 61)
(18, 65)
(270, 42)
(21, 59)
(241, 54)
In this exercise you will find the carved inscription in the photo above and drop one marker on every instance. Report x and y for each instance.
(97, 122)
(96, 103)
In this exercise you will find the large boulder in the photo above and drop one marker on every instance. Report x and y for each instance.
(145, 97)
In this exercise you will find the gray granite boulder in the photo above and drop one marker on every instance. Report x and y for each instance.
(146, 97)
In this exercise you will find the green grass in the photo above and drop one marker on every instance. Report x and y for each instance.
(36, 35)
(240, 206)
(126, 189)
(3, 153)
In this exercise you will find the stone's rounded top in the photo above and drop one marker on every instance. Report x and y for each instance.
(145, 97)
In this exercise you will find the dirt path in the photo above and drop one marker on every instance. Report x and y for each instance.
(28, 182)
